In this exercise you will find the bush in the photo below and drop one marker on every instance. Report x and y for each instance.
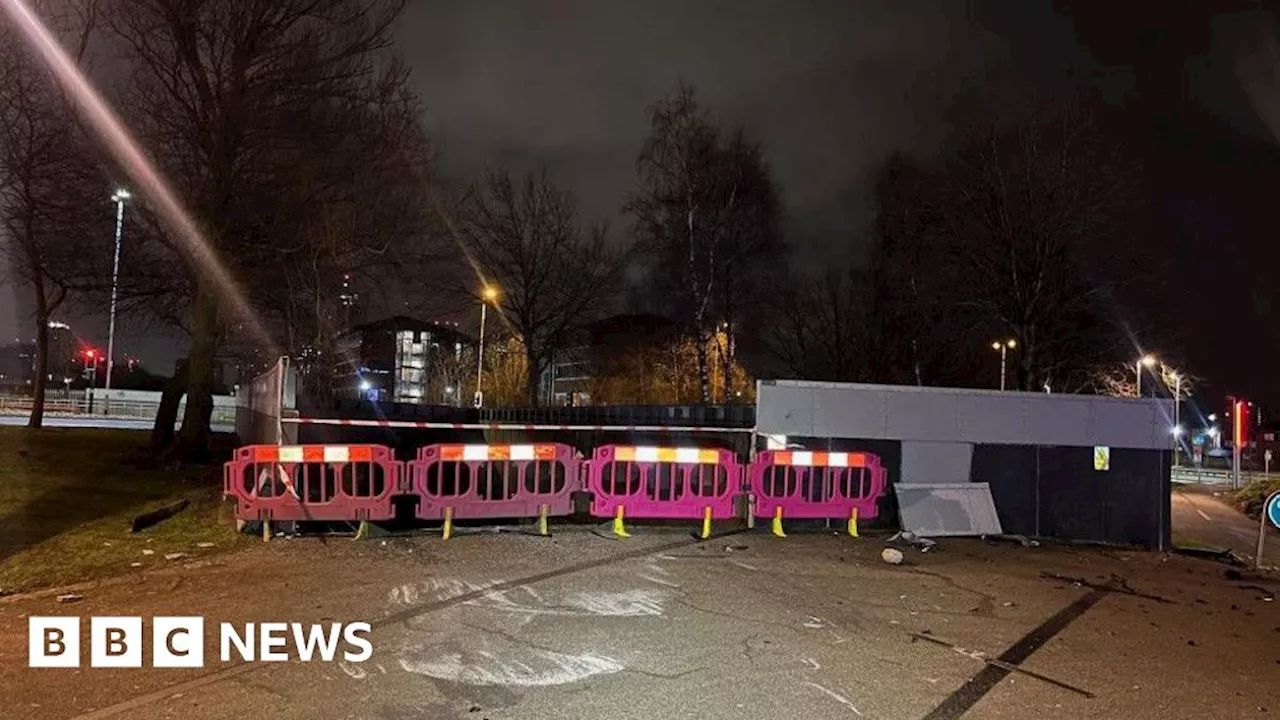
(1250, 497)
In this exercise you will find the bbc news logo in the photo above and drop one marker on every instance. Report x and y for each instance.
(179, 642)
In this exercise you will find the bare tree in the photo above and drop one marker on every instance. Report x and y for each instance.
(49, 179)
(1116, 379)
(820, 327)
(550, 274)
(273, 119)
(707, 214)
(1003, 244)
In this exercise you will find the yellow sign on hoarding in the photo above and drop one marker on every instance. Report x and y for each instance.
(1101, 457)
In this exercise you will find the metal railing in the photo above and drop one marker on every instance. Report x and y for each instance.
(131, 409)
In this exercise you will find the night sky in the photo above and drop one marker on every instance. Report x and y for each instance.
(832, 88)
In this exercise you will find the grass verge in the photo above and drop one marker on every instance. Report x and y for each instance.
(68, 497)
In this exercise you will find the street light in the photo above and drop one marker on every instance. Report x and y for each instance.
(488, 295)
(1147, 360)
(1177, 401)
(118, 198)
(1004, 348)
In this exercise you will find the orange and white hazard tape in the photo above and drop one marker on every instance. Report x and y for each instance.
(696, 456)
(312, 453)
(473, 453)
(804, 458)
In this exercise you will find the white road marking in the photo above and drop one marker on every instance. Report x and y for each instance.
(835, 696)
(1204, 515)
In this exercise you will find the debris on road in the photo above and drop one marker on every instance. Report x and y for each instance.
(175, 556)
(70, 598)
(148, 552)
(1022, 540)
(135, 564)
(205, 545)
(910, 539)
(893, 556)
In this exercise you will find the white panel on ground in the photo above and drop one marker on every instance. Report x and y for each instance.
(935, 462)
(949, 509)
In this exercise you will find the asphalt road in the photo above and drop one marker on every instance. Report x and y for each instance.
(1201, 517)
(578, 626)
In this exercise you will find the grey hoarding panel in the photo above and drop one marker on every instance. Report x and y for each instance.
(947, 414)
(945, 509)
(839, 408)
(935, 462)
(784, 411)
(922, 416)
(991, 419)
(1053, 421)
(1131, 424)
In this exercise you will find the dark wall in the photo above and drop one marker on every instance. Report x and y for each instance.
(1050, 492)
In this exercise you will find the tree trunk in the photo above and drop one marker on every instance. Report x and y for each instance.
(193, 438)
(704, 369)
(167, 413)
(40, 381)
(533, 376)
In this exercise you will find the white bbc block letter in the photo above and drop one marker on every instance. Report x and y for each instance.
(53, 642)
(273, 635)
(115, 642)
(177, 642)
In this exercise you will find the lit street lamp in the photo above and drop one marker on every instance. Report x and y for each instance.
(1177, 426)
(119, 197)
(489, 295)
(1144, 361)
(1004, 348)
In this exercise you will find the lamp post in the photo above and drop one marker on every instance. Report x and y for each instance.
(119, 197)
(488, 295)
(1004, 348)
(1147, 361)
(1177, 425)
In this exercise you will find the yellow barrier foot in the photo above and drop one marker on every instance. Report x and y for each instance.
(777, 523)
(363, 532)
(266, 530)
(706, 524)
(542, 521)
(853, 523)
(448, 523)
(619, 529)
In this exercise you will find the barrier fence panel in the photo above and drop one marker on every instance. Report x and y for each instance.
(313, 482)
(495, 481)
(663, 483)
(816, 485)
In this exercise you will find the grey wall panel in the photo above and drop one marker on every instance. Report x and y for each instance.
(992, 419)
(947, 414)
(1129, 424)
(784, 410)
(845, 412)
(1052, 421)
(922, 416)
(935, 462)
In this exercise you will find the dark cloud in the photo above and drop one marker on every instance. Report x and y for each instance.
(829, 88)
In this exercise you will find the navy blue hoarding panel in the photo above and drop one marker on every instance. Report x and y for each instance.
(1010, 470)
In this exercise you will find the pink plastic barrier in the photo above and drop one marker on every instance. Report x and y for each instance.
(495, 481)
(312, 482)
(663, 483)
(816, 484)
